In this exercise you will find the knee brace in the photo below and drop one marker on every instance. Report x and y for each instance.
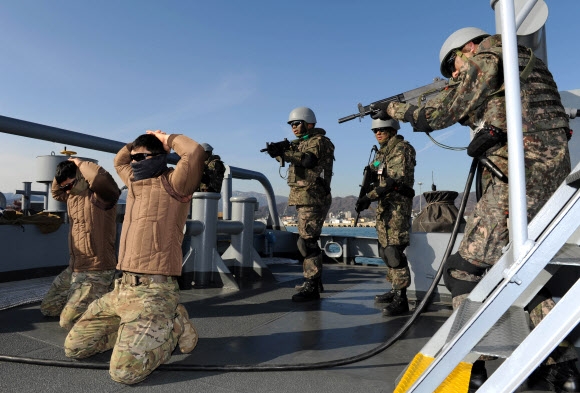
(308, 247)
(393, 256)
(455, 286)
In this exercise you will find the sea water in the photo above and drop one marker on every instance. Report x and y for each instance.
(343, 231)
(350, 231)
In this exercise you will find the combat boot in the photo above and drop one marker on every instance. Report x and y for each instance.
(478, 376)
(386, 297)
(559, 377)
(183, 327)
(301, 286)
(399, 305)
(309, 291)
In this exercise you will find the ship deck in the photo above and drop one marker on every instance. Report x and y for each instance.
(256, 325)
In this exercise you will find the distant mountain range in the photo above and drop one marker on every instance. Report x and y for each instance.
(339, 204)
(344, 204)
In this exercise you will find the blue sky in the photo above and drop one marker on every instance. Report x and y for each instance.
(229, 72)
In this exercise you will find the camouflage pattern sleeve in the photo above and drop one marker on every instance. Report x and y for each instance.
(480, 79)
(217, 169)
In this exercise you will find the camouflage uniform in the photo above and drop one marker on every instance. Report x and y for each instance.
(71, 293)
(396, 160)
(145, 314)
(310, 189)
(475, 98)
(213, 175)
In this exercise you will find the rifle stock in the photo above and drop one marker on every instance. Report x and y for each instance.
(416, 96)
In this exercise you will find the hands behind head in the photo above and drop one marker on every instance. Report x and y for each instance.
(162, 136)
(76, 160)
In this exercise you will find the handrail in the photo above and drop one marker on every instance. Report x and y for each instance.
(28, 129)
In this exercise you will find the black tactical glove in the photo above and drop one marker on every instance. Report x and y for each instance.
(274, 150)
(363, 203)
(380, 115)
(277, 149)
(379, 111)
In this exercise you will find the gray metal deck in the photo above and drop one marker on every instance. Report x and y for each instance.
(256, 325)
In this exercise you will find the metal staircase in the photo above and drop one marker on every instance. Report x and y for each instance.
(496, 304)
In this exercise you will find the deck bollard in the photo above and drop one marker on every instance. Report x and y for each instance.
(241, 256)
(203, 266)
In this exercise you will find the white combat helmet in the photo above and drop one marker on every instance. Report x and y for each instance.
(455, 41)
(391, 123)
(302, 113)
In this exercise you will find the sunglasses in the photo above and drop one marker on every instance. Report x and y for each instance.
(142, 156)
(68, 186)
(450, 63)
(375, 130)
(295, 123)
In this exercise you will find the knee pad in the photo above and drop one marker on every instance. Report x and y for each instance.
(455, 286)
(393, 256)
(308, 247)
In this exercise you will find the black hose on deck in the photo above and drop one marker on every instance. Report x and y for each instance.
(291, 367)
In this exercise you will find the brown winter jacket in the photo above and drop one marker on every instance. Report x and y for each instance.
(154, 218)
(92, 214)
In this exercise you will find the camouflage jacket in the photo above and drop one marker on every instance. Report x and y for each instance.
(396, 160)
(310, 186)
(476, 96)
(213, 175)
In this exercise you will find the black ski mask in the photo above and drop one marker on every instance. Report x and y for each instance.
(148, 168)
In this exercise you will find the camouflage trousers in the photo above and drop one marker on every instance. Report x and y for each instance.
(310, 221)
(137, 322)
(71, 293)
(399, 278)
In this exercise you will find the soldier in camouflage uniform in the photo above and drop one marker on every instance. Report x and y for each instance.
(311, 158)
(213, 171)
(393, 172)
(475, 98)
(141, 319)
(91, 195)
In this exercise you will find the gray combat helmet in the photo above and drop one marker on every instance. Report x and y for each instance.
(456, 41)
(391, 123)
(207, 147)
(302, 113)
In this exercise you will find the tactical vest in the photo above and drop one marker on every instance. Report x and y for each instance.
(405, 183)
(541, 105)
(321, 174)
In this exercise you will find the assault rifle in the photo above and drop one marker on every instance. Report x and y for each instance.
(277, 149)
(364, 187)
(416, 96)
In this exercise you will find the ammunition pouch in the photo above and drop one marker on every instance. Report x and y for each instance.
(404, 190)
(487, 138)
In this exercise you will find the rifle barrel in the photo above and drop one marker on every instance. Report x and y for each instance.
(348, 118)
